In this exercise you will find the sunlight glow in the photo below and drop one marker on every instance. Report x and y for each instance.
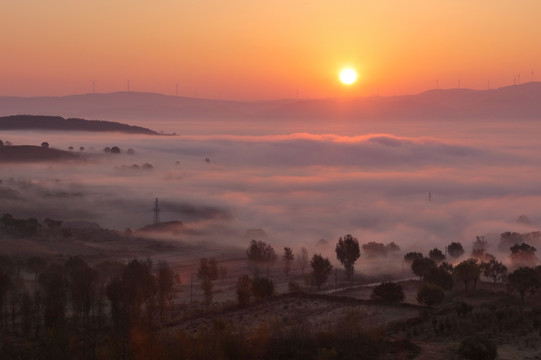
(348, 76)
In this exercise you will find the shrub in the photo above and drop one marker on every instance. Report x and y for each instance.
(262, 287)
(430, 294)
(389, 292)
(477, 347)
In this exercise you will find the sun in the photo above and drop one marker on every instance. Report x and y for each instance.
(348, 76)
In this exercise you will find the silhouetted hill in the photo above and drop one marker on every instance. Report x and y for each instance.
(22, 122)
(30, 153)
(518, 101)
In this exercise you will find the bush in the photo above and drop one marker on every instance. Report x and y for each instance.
(430, 294)
(477, 347)
(294, 286)
(389, 292)
(262, 287)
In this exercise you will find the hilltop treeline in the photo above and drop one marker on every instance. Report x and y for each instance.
(23, 122)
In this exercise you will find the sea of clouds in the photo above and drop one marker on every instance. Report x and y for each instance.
(298, 181)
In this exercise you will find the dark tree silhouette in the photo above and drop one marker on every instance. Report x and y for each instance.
(260, 255)
(321, 268)
(455, 250)
(524, 280)
(388, 292)
(208, 272)
(468, 271)
(166, 280)
(262, 287)
(409, 257)
(53, 224)
(494, 270)
(115, 150)
(477, 347)
(53, 283)
(438, 276)
(82, 283)
(374, 249)
(479, 249)
(36, 265)
(392, 247)
(288, 258)
(45, 145)
(523, 254)
(430, 294)
(347, 252)
(244, 290)
(437, 255)
(421, 266)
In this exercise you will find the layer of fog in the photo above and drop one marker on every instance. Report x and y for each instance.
(298, 183)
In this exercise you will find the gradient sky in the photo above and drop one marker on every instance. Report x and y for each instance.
(248, 50)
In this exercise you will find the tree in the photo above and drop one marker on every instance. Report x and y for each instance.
(374, 249)
(260, 255)
(302, 259)
(288, 258)
(392, 247)
(477, 347)
(45, 145)
(439, 276)
(479, 248)
(494, 270)
(53, 283)
(321, 268)
(115, 150)
(139, 287)
(409, 257)
(53, 224)
(421, 266)
(165, 281)
(468, 271)
(347, 252)
(208, 272)
(244, 290)
(455, 250)
(436, 255)
(430, 294)
(388, 292)
(524, 280)
(523, 254)
(82, 284)
(36, 265)
(262, 287)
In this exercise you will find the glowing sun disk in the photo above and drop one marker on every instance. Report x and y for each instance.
(348, 76)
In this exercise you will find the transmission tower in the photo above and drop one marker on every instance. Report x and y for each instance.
(156, 212)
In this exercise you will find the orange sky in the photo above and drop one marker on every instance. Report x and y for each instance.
(248, 50)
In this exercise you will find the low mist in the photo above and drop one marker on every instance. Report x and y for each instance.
(297, 186)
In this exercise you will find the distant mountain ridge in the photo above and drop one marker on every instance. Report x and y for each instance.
(41, 122)
(517, 101)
